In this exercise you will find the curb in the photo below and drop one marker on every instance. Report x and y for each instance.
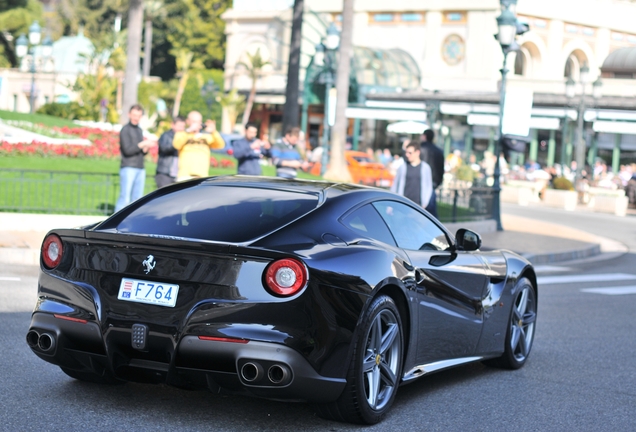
(549, 258)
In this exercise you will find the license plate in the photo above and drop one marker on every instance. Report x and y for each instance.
(156, 293)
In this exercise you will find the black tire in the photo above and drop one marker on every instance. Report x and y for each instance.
(92, 377)
(377, 360)
(521, 326)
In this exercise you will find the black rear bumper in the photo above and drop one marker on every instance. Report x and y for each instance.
(263, 369)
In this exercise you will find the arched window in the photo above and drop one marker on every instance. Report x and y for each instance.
(569, 68)
(519, 63)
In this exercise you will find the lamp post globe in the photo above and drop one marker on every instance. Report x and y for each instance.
(507, 23)
(35, 33)
(21, 46)
(332, 41)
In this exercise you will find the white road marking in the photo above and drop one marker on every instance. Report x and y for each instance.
(566, 279)
(612, 290)
(12, 279)
(549, 268)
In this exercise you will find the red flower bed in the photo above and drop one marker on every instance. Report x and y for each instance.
(105, 144)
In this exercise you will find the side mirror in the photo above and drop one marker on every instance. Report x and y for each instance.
(467, 240)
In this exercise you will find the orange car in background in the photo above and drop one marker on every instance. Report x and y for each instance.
(363, 170)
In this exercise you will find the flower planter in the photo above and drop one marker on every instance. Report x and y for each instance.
(516, 194)
(610, 204)
(560, 198)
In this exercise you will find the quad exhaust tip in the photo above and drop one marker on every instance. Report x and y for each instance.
(278, 374)
(45, 342)
(251, 372)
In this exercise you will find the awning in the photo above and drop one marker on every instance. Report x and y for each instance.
(407, 127)
(385, 114)
(547, 123)
(615, 127)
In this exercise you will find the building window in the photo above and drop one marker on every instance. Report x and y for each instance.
(382, 17)
(617, 36)
(392, 18)
(519, 62)
(588, 31)
(631, 39)
(571, 28)
(454, 17)
(540, 23)
(412, 17)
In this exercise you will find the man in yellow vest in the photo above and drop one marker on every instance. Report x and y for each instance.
(194, 147)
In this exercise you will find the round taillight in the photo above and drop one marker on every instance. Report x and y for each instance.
(52, 251)
(285, 277)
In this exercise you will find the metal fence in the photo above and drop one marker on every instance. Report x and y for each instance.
(464, 204)
(36, 191)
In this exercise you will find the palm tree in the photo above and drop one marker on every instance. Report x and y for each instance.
(232, 103)
(290, 111)
(135, 24)
(337, 169)
(184, 63)
(254, 69)
(153, 9)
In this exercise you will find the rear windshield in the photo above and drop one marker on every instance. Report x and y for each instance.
(218, 213)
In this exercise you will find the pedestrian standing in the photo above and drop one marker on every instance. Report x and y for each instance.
(133, 148)
(414, 179)
(285, 155)
(194, 147)
(249, 151)
(434, 157)
(168, 161)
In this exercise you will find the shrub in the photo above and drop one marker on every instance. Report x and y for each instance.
(562, 183)
(70, 111)
(465, 172)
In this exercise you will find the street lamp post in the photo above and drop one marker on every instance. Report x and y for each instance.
(570, 90)
(29, 46)
(325, 57)
(507, 23)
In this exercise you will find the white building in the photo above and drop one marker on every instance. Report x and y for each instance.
(53, 78)
(457, 60)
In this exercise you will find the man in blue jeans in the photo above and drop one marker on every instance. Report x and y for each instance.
(133, 148)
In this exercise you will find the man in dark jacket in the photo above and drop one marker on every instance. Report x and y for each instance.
(133, 148)
(168, 163)
(434, 157)
(249, 151)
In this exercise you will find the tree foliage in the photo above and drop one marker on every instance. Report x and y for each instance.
(197, 26)
(96, 17)
(15, 18)
(193, 99)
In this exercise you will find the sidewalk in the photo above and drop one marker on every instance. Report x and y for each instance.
(21, 236)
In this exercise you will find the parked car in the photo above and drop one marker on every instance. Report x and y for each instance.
(363, 170)
(295, 290)
(229, 139)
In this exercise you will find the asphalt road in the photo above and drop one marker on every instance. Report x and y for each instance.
(581, 374)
